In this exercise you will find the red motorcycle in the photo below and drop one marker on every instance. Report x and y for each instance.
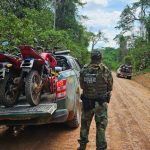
(36, 73)
(9, 79)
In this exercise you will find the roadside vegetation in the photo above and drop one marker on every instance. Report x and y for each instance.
(133, 48)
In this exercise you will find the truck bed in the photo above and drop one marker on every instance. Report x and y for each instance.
(26, 111)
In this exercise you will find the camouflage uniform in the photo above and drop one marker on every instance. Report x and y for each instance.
(101, 87)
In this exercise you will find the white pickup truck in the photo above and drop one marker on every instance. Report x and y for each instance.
(62, 106)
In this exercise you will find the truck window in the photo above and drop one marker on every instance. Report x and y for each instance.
(62, 62)
(75, 64)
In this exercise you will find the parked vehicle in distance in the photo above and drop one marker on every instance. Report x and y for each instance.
(61, 106)
(124, 71)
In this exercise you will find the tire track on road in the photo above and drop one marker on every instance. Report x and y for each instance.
(141, 112)
(134, 127)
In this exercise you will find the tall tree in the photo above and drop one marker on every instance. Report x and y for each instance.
(17, 7)
(66, 13)
(148, 28)
(131, 14)
(67, 18)
(123, 43)
(95, 38)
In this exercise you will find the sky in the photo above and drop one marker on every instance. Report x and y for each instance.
(103, 15)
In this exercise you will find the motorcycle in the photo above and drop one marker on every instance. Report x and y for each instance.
(36, 73)
(9, 79)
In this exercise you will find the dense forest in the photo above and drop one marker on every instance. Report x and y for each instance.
(133, 48)
(45, 23)
(56, 23)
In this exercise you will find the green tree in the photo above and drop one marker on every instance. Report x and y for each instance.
(95, 38)
(128, 60)
(17, 7)
(67, 19)
(131, 14)
(23, 21)
(110, 57)
(66, 14)
(123, 43)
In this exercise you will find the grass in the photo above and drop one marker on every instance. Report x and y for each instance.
(147, 70)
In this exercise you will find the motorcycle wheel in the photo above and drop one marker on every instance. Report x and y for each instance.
(9, 92)
(32, 84)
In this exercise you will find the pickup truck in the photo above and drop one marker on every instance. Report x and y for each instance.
(62, 106)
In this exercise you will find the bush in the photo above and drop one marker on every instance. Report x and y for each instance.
(128, 60)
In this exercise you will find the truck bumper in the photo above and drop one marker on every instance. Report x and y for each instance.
(59, 116)
(124, 75)
(23, 114)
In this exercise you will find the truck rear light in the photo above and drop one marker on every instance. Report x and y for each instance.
(61, 89)
(61, 83)
(53, 81)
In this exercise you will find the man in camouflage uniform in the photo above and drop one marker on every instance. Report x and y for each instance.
(96, 81)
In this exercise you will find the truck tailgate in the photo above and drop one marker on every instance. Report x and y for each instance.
(25, 111)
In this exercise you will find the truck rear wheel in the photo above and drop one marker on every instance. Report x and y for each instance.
(9, 92)
(32, 90)
(117, 75)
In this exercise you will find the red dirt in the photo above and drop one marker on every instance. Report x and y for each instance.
(143, 79)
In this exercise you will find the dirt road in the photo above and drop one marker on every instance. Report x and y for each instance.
(128, 129)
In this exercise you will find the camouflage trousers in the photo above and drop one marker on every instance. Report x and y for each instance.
(100, 112)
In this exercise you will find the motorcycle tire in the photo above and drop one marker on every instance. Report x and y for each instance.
(8, 97)
(33, 79)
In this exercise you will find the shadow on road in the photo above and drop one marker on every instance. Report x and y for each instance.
(33, 137)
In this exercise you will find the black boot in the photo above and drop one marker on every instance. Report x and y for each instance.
(82, 147)
(104, 148)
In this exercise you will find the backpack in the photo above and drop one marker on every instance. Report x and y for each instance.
(93, 81)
